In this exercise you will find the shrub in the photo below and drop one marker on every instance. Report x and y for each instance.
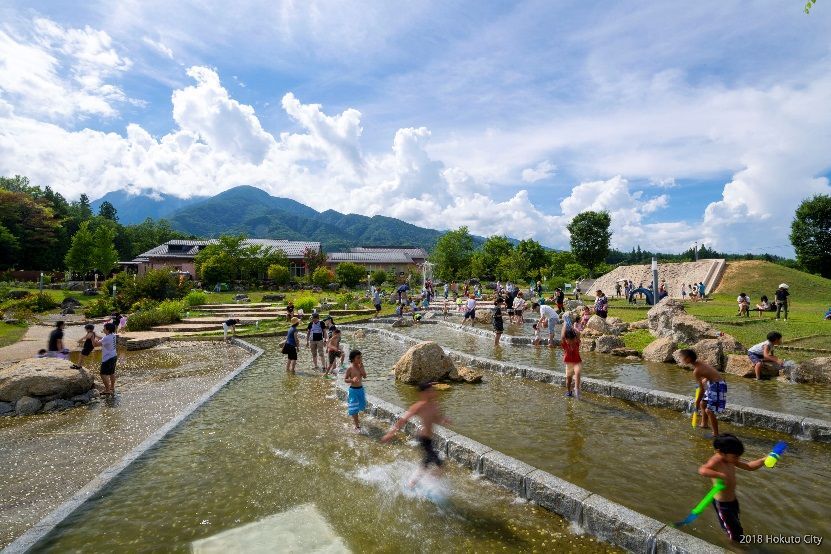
(279, 274)
(350, 274)
(143, 305)
(195, 298)
(379, 278)
(156, 284)
(37, 303)
(306, 303)
(101, 306)
(322, 277)
(169, 311)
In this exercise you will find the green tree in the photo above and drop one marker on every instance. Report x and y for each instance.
(108, 211)
(379, 278)
(216, 269)
(453, 254)
(811, 234)
(590, 238)
(148, 234)
(486, 260)
(322, 276)
(349, 274)
(103, 254)
(9, 248)
(79, 256)
(280, 274)
(535, 257)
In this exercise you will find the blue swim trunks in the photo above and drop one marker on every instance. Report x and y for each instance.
(356, 401)
(715, 397)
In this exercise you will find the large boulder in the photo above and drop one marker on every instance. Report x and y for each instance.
(660, 316)
(26, 405)
(815, 370)
(43, 377)
(70, 302)
(572, 305)
(402, 322)
(597, 325)
(426, 361)
(709, 351)
(642, 324)
(729, 345)
(274, 297)
(486, 316)
(606, 343)
(690, 329)
(739, 364)
(6, 408)
(660, 350)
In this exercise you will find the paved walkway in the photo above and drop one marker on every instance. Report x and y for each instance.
(36, 338)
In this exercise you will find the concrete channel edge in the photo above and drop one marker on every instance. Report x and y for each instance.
(606, 520)
(97, 485)
(802, 427)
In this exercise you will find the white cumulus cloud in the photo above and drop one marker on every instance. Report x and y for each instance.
(541, 171)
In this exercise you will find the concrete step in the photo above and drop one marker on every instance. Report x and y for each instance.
(244, 320)
(190, 327)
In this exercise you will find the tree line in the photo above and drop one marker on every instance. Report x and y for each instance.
(40, 229)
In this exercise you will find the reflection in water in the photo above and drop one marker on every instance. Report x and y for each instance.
(642, 457)
(793, 398)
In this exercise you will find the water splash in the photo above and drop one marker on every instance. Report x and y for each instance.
(296, 457)
(394, 480)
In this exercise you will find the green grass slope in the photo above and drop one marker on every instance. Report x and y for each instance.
(756, 277)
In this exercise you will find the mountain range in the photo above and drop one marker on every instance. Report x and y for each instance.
(255, 213)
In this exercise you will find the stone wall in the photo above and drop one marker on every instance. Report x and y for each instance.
(675, 274)
(799, 426)
(606, 520)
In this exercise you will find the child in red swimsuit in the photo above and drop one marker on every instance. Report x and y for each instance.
(570, 341)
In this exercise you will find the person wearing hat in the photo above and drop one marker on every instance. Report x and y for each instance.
(314, 339)
(782, 300)
(290, 346)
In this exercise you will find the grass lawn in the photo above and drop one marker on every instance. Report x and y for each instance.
(10, 334)
(60, 295)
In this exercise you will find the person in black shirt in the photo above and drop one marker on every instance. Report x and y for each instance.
(782, 300)
(55, 348)
(229, 324)
(498, 325)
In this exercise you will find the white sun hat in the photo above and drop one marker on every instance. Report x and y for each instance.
(784, 286)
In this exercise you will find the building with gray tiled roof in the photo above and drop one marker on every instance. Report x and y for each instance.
(399, 260)
(178, 255)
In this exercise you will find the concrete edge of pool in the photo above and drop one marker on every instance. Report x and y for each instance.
(38, 531)
(598, 516)
(802, 427)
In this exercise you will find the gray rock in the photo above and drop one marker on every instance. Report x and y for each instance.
(58, 405)
(6, 408)
(43, 377)
(555, 494)
(402, 323)
(710, 352)
(628, 353)
(70, 302)
(27, 406)
(629, 392)
(606, 343)
(465, 451)
(815, 370)
(660, 350)
(816, 429)
(619, 525)
(596, 386)
(506, 471)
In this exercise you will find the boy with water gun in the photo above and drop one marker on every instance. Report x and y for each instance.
(721, 468)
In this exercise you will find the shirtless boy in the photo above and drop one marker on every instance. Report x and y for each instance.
(713, 395)
(355, 375)
(722, 465)
(429, 411)
(334, 351)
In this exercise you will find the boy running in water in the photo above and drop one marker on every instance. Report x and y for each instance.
(722, 465)
(429, 411)
(355, 375)
(713, 395)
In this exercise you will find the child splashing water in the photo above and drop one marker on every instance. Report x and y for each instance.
(428, 410)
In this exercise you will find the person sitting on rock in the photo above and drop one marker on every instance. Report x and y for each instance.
(584, 319)
(763, 352)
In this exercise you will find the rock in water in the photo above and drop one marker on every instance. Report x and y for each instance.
(660, 350)
(426, 361)
(359, 334)
(402, 323)
(43, 377)
(815, 370)
(739, 364)
(28, 405)
(709, 351)
(468, 375)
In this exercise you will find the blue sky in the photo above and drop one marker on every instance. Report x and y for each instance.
(687, 122)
